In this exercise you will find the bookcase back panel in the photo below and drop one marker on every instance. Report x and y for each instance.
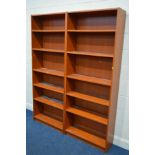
(56, 22)
(93, 20)
(38, 107)
(37, 92)
(89, 126)
(53, 112)
(37, 60)
(53, 96)
(36, 23)
(53, 41)
(37, 77)
(94, 66)
(48, 79)
(91, 89)
(54, 80)
(92, 42)
(37, 41)
(88, 106)
(48, 40)
(53, 61)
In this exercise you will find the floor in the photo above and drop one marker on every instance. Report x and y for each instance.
(43, 140)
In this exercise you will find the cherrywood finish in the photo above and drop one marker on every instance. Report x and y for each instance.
(49, 102)
(76, 61)
(116, 73)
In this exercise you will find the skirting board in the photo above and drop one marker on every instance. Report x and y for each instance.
(121, 142)
(29, 106)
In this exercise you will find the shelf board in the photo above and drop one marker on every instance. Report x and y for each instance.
(50, 31)
(48, 120)
(50, 71)
(106, 30)
(95, 54)
(48, 50)
(98, 141)
(49, 87)
(89, 98)
(88, 115)
(90, 79)
(49, 102)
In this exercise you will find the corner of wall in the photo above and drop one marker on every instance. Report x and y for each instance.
(29, 106)
(121, 142)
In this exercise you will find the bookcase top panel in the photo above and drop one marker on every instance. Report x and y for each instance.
(82, 11)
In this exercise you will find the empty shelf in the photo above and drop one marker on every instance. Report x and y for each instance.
(89, 98)
(48, 50)
(88, 115)
(106, 30)
(48, 120)
(49, 87)
(90, 79)
(49, 102)
(96, 54)
(49, 71)
(51, 31)
(87, 137)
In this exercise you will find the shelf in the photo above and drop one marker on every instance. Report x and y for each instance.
(51, 31)
(49, 102)
(48, 120)
(87, 136)
(49, 71)
(95, 54)
(48, 50)
(88, 115)
(90, 79)
(49, 87)
(99, 31)
(89, 98)
(92, 43)
(48, 40)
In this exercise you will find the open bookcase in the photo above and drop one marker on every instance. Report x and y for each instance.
(76, 60)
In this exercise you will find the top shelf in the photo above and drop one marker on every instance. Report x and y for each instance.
(76, 31)
(93, 31)
(49, 31)
(98, 21)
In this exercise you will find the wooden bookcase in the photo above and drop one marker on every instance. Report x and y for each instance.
(76, 60)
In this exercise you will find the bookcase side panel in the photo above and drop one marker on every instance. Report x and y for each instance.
(116, 73)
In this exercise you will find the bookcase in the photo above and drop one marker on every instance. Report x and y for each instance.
(76, 61)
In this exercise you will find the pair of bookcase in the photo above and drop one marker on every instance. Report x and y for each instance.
(76, 59)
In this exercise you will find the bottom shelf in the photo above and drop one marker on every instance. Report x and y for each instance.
(48, 120)
(98, 141)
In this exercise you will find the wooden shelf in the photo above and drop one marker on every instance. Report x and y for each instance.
(49, 87)
(87, 136)
(88, 115)
(48, 50)
(91, 31)
(50, 31)
(49, 102)
(90, 79)
(89, 98)
(49, 71)
(95, 54)
(48, 120)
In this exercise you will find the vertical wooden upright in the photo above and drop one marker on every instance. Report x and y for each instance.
(119, 36)
(76, 61)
